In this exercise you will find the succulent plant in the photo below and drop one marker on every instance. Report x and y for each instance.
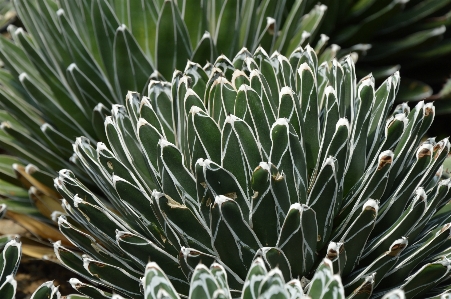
(272, 157)
(409, 34)
(74, 54)
(10, 254)
(9, 263)
(52, 81)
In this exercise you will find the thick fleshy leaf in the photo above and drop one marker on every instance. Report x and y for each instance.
(379, 267)
(324, 283)
(406, 221)
(232, 237)
(88, 290)
(309, 117)
(296, 240)
(286, 145)
(46, 291)
(163, 286)
(171, 34)
(426, 278)
(116, 278)
(324, 194)
(8, 288)
(270, 190)
(203, 283)
(9, 260)
(356, 236)
(254, 278)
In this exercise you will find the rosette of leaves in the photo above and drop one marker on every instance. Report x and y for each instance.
(282, 158)
(212, 283)
(74, 54)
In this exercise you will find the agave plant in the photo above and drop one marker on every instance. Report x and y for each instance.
(212, 283)
(10, 256)
(58, 70)
(410, 34)
(9, 263)
(263, 156)
(75, 54)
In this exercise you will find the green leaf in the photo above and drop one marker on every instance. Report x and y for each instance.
(324, 283)
(8, 288)
(90, 244)
(273, 286)
(72, 261)
(379, 267)
(298, 238)
(240, 151)
(362, 111)
(174, 174)
(415, 254)
(232, 237)
(371, 185)
(338, 149)
(221, 182)
(205, 51)
(9, 260)
(80, 55)
(289, 28)
(387, 51)
(220, 275)
(426, 278)
(364, 30)
(161, 102)
(323, 198)
(203, 283)
(191, 231)
(415, 13)
(336, 253)
(286, 145)
(207, 132)
(395, 204)
(270, 190)
(310, 23)
(46, 291)
(254, 278)
(162, 288)
(262, 109)
(403, 225)
(131, 65)
(413, 90)
(116, 278)
(357, 234)
(227, 27)
(275, 258)
(172, 47)
(385, 96)
(309, 117)
(88, 290)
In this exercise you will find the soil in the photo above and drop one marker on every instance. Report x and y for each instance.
(33, 273)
